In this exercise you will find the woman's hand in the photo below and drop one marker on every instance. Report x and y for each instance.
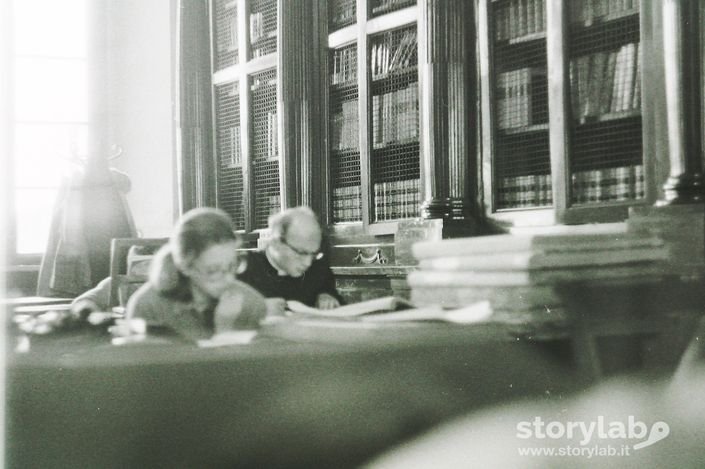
(232, 313)
(81, 309)
(275, 306)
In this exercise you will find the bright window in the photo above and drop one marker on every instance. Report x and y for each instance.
(49, 109)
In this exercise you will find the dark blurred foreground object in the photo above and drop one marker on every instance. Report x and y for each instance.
(90, 211)
(647, 423)
(272, 403)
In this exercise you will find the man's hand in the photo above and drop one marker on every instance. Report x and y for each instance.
(275, 306)
(326, 301)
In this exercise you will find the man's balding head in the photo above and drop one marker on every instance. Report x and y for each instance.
(296, 239)
(295, 221)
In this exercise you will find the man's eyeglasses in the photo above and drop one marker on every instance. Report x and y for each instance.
(301, 253)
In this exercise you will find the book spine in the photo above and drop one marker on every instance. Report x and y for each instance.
(525, 98)
(513, 26)
(639, 187)
(578, 188)
(583, 82)
(636, 100)
(609, 184)
(502, 101)
(624, 183)
(630, 66)
(608, 83)
(377, 212)
(521, 7)
(336, 203)
(617, 81)
(598, 63)
(530, 16)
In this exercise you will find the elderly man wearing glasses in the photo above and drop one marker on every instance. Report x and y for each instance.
(292, 266)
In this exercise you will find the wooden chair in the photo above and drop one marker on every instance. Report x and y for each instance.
(129, 276)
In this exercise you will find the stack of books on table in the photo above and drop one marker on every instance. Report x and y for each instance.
(519, 274)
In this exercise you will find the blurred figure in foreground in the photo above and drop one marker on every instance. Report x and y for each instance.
(619, 423)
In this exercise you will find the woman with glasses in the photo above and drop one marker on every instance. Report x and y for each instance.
(292, 266)
(192, 287)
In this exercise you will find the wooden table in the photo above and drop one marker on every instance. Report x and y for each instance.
(285, 400)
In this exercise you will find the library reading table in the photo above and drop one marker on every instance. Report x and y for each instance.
(284, 400)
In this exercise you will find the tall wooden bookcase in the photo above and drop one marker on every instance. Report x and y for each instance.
(400, 81)
(338, 104)
(266, 110)
(374, 111)
(562, 109)
(380, 111)
(246, 110)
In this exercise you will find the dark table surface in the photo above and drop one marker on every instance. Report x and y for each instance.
(302, 394)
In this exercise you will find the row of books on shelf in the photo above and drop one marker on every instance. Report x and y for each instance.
(257, 27)
(347, 203)
(230, 42)
(606, 82)
(395, 116)
(345, 128)
(597, 185)
(234, 156)
(532, 190)
(385, 57)
(397, 199)
(590, 11)
(259, 84)
(273, 204)
(343, 13)
(609, 184)
(344, 65)
(271, 135)
(515, 96)
(380, 6)
(520, 18)
(264, 49)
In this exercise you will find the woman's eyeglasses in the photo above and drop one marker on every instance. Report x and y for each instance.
(215, 273)
(301, 253)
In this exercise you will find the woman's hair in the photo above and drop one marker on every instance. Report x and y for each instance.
(196, 231)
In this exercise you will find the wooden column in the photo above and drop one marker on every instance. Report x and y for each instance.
(447, 132)
(318, 86)
(7, 185)
(681, 30)
(197, 164)
(296, 74)
(672, 108)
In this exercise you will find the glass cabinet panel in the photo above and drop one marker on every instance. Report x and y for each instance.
(395, 163)
(225, 33)
(229, 152)
(341, 13)
(606, 162)
(264, 145)
(263, 27)
(522, 163)
(344, 135)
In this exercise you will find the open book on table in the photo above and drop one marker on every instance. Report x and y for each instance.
(391, 308)
(387, 303)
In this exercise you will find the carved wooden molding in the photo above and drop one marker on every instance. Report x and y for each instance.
(376, 258)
